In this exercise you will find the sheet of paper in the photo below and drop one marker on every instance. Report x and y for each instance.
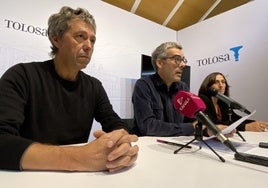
(234, 125)
(218, 146)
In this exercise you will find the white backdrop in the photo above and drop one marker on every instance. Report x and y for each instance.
(121, 39)
(245, 26)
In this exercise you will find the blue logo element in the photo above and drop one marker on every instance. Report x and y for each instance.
(236, 52)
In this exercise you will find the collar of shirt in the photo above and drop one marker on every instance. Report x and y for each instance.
(160, 84)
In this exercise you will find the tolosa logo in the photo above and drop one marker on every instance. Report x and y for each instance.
(236, 52)
(221, 58)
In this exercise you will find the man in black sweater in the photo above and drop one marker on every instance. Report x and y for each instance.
(44, 105)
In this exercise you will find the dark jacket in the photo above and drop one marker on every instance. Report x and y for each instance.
(154, 112)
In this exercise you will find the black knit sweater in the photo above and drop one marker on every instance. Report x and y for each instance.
(36, 105)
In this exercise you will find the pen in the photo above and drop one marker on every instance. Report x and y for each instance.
(172, 143)
(240, 135)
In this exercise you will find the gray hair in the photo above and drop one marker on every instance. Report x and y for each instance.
(58, 23)
(161, 51)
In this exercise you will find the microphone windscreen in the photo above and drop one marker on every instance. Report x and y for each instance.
(212, 92)
(188, 103)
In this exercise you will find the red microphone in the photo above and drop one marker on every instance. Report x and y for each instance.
(192, 106)
(188, 103)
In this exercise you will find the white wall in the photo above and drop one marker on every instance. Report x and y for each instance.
(247, 26)
(121, 39)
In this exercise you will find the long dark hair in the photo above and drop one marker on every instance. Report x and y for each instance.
(209, 81)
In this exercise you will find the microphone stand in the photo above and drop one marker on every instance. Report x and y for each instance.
(230, 113)
(199, 137)
(230, 121)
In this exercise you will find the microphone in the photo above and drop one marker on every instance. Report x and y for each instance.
(192, 106)
(233, 104)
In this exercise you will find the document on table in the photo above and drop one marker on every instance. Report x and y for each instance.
(233, 125)
(216, 144)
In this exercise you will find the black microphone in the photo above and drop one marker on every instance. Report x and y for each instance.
(233, 104)
(203, 118)
(192, 106)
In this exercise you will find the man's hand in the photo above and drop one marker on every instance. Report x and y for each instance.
(122, 154)
(221, 127)
(109, 151)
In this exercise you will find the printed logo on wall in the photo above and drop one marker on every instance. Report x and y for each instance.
(222, 58)
(18, 26)
(236, 52)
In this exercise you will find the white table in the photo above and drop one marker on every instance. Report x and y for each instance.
(157, 166)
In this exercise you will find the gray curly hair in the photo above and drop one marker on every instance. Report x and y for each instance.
(58, 23)
(161, 51)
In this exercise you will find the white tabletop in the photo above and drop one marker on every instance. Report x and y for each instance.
(157, 166)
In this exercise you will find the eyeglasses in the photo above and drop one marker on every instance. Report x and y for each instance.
(177, 58)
